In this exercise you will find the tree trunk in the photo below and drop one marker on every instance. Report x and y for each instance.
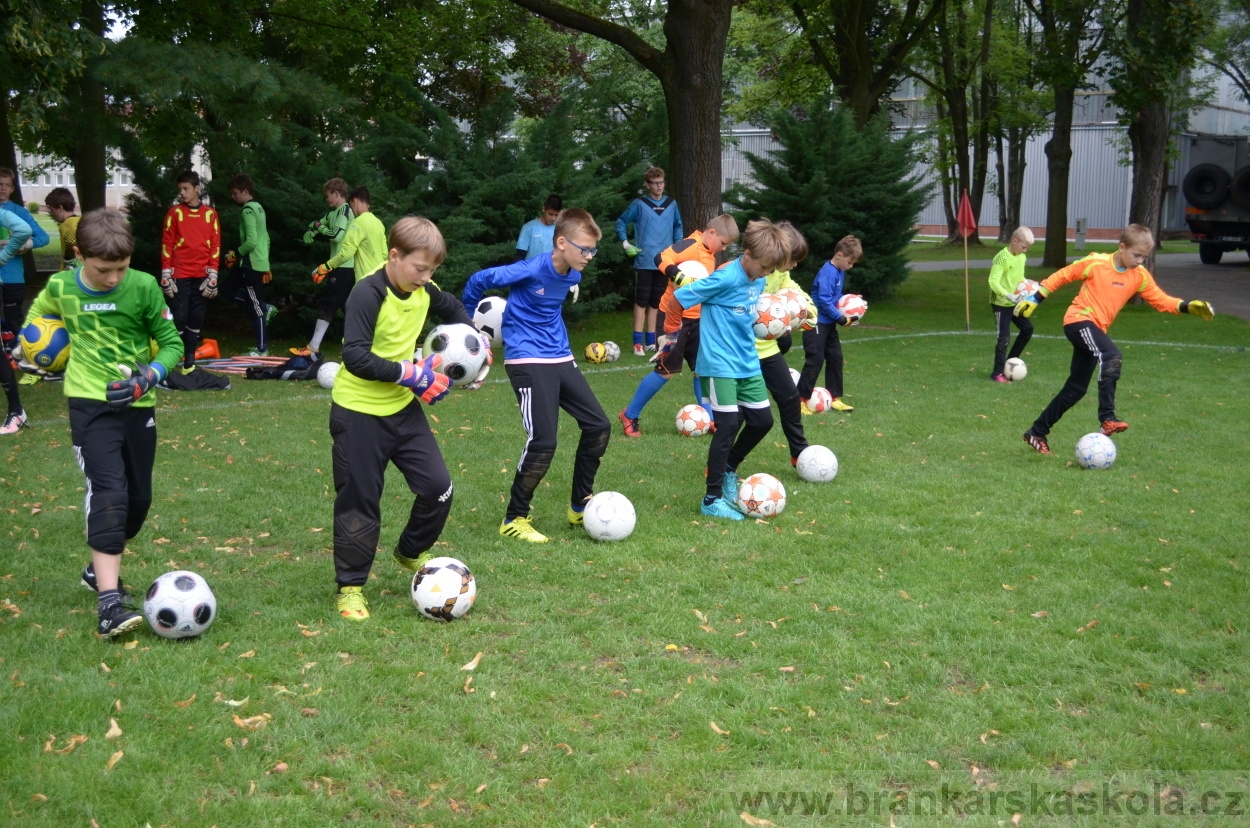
(944, 168)
(981, 100)
(89, 153)
(8, 150)
(1017, 145)
(1000, 172)
(1148, 135)
(1058, 166)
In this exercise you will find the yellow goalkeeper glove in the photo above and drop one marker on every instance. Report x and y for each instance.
(1198, 308)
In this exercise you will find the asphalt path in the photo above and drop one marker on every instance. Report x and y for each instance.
(1225, 285)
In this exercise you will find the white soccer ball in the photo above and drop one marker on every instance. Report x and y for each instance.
(488, 317)
(820, 400)
(796, 305)
(795, 376)
(179, 604)
(817, 464)
(443, 589)
(1015, 369)
(771, 317)
(609, 516)
(693, 420)
(461, 348)
(762, 495)
(854, 306)
(326, 374)
(614, 351)
(1095, 451)
(1024, 289)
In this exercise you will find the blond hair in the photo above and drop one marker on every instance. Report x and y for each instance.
(850, 247)
(1136, 234)
(726, 228)
(413, 233)
(1024, 234)
(576, 220)
(105, 234)
(796, 242)
(767, 244)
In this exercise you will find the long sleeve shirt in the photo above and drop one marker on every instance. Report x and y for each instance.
(18, 232)
(533, 325)
(826, 291)
(254, 237)
(1006, 272)
(689, 249)
(364, 245)
(191, 241)
(1105, 290)
(14, 273)
(657, 224)
(726, 337)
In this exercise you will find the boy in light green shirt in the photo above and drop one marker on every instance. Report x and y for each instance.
(1007, 272)
(252, 257)
(338, 283)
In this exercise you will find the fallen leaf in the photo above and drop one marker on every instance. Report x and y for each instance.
(525, 749)
(542, 783)
(306, 634)
(280, 767)
(786, 669)
(467, 681)
(105, 667)
(718, 731)
(1040, 614)
(1008, 587)
(425, 803)
(38, 798)
(252, 723)
(752, 820)
(700, 616)
(248, 654)
(904, 595)
(567, 748)
(706, 628)
(933, 764)
(1088, 626)
(1180, 691)
(1015, 819)
(672, 648)
(114, 730)
(232, 702)
(130, 645)
(480, 788)
(114, 759)
(251, 787)
(73, 742)
(309, 712)
(472, 665)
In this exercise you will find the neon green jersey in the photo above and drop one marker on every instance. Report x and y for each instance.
(108, 328)
(254, 237)
(366, 242)
(1006, 272)
(334, 226)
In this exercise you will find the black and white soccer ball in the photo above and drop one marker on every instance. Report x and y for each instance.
(461, 348)
(444, 589)
(179, 604)
(488, 317)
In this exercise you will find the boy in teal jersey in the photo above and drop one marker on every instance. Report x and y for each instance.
(538, 236)
(252, 257)
(112, 314)
(338, 283)
(19, 234)
(728, 364)
(1007, 272)
(376, 418)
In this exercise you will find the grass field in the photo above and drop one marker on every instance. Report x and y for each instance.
(936, 250)
(954, 609)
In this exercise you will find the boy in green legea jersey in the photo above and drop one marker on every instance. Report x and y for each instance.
(252, 257)
(112, 314)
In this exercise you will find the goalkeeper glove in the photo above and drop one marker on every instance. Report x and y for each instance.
(124, 392)
(424, 380)
(663, 346)
(1198, 308)
(576, 292)
(266, 277)
(308, 237)
(209, 288)
(490, 360)
(231, 259)
(29, 244)
(168, 285)
(319, 275)
(630, 250)
(1025, 307)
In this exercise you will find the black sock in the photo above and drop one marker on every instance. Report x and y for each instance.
(708, 500)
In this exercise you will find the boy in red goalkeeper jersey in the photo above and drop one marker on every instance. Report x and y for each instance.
(1108, 282)
(190, 250)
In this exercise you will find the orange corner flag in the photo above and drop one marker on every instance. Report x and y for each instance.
(967, 221)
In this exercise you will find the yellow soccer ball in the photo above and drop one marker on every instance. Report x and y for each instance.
(596, 352)
(45, 341)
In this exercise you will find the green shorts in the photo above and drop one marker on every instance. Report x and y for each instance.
(727, 393)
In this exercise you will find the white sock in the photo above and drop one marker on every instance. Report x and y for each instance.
(319, 333)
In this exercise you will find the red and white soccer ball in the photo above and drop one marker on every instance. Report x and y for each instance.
(693, 421)
(1024, 289)
(854, 306)
(820, 401)
(762, 495)
(796, 305)
(771, 317)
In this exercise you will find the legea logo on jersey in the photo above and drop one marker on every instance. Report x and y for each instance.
(740, 309)
(99, 306)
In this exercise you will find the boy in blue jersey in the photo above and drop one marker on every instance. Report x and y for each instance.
(821, 344)
(728, 364)
(540, 367)
(657, 224)
(13, 274)
(538, 235)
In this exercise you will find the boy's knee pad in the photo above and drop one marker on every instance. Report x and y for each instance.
(595, 443)
(355, 534)
(136, 514)
(1111, 367)
(107, 522)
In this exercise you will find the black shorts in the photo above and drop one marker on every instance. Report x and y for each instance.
(649, 287)
(334, 292)
(116, 451)
(686, 348)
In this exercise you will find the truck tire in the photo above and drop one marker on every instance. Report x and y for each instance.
(1239, 190)
(1210, 253)
(1206, 186)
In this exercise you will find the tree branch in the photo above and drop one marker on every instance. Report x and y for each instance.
(652, 59)
(805, 24)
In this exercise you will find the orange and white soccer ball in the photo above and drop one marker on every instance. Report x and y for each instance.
(771, 317)
(796, 305)
(820, 400)
(854, 306)
(1024, 289)
(762, 495)
(693, 421)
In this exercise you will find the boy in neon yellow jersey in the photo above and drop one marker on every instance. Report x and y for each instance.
(376, 418)
(112, 314)
(365, 243)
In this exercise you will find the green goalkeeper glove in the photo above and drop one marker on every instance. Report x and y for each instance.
(308, 237)
(1198, 308)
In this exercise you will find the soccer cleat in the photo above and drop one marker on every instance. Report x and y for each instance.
(115, 619)
(577, 518)
(305, 352)
(185, 369)
(351, 604)
(258, 352)
(794, 461)
(650, 347)
(630, 424)
(1110, 427)
(720, 508)
(1038, 443)
(270, 312)
(412, 564)
(838, 405)
(732, 483)
(638, 349)
(17, 420)
(522, 528)
(805, 408)
(1000, 378)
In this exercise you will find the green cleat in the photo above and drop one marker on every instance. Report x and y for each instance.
(351, 604)
(413, 564)
(523, 528)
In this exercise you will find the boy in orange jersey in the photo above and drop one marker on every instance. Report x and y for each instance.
(1108, 283)
(681, 325)
(190, 251)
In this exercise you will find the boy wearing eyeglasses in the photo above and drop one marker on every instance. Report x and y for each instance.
(540, 366)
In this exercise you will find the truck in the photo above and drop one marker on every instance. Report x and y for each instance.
(1217, 194)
